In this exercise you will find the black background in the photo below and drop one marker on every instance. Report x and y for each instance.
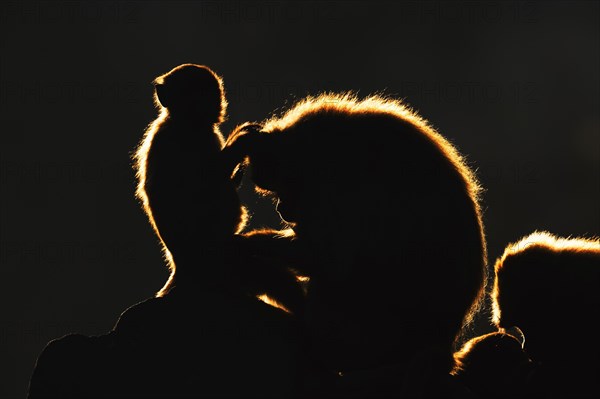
(515, 85)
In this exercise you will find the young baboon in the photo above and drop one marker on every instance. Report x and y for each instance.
(185, 186)
(205, 335)
(183, 182)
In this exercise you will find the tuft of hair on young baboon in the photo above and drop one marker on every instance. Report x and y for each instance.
(183, 182)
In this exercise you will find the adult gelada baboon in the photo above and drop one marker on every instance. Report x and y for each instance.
(388, 214)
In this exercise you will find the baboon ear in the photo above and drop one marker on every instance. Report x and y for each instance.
(163, 95)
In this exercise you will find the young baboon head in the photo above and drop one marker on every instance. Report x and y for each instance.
(192, 91)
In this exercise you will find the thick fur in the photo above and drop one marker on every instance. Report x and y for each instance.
(548, 287)
(388, 214)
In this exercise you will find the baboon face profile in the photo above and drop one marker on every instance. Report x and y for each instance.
(192, 91)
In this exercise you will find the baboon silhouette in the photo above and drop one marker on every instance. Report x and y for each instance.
(548, 287)
(387, 213)
(185, 187)
(205, 334)
(183, 183)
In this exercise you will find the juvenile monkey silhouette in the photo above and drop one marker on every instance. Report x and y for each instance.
(205, 334)
(185, 186)
(183, 183)
(387, 213)
(548, 287)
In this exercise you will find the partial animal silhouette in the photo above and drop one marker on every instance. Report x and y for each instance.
(183, 183)
(548, 287)
(386, 213)
(494, 365)
(205, 334)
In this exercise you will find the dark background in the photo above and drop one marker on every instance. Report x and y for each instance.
(515, 85)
